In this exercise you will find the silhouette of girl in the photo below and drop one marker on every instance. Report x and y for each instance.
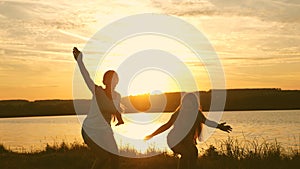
(105, 104)
(186, 129)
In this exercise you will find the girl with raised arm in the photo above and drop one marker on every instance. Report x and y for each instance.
(182, 138)
(96, 130)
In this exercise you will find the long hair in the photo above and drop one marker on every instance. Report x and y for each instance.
(190, 105)
(198, 125)
(110, 79)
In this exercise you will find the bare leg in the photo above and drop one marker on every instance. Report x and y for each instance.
(101, 155)
(99, 163)
(193, 157)
(115, 161)
(183, 163)
(189, 156)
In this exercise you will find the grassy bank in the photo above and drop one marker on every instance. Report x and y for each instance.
(231, 155)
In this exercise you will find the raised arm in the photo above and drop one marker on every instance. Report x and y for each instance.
(85, 74)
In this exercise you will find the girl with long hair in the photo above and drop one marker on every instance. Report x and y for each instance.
(187, 123)
(105, 105)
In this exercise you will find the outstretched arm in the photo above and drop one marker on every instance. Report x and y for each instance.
(85, 74)
(220, 126)
(161, 129)
(224, 127)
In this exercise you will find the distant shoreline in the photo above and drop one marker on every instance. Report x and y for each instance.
(52, 115)
(236, 100)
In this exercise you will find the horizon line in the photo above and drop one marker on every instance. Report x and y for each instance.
(60, 99)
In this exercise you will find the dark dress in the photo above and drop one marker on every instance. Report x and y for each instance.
(185, 144)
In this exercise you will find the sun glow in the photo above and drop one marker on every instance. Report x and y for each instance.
(152, 82)
(131, 134)
(149, 80)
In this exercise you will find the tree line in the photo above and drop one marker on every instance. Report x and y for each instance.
(236, 99)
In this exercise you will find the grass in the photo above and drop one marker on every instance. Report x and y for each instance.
(232, 154)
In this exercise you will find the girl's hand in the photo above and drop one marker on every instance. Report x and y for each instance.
(76, 53)
(224, 127)
(148, 137)
(119, 123)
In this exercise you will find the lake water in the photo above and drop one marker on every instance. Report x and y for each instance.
(28, 134)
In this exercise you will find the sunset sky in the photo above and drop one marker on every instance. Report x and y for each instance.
(257, 41)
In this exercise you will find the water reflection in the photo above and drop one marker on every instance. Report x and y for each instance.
(34, 133)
